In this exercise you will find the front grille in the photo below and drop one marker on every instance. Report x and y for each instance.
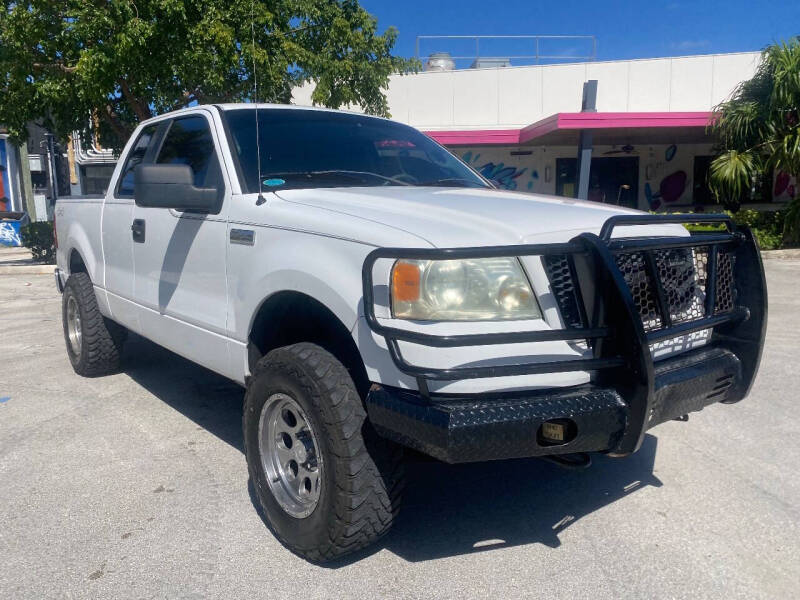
(682, 272)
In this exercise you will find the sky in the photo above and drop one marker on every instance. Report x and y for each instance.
(623, 29)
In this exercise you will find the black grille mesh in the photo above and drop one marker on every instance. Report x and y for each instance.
(726, 292)
(679, 271)
(637, 277)
(683, 273)
(561, 281)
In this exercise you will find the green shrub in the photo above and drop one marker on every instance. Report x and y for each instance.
(767, 240)
(768, 226)
(38, 238)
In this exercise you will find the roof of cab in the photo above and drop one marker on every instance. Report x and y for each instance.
(252, 106)
(264, 105)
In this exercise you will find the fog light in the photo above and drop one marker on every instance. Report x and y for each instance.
(557, 432)
(553, 432)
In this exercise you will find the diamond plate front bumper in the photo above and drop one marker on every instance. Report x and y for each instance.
(487, 428)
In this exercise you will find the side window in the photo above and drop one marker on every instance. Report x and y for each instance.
(189, 142)
(136, 155)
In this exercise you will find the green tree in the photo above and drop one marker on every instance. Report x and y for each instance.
(105, 65)
(757, 130)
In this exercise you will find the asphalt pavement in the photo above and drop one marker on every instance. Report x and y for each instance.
(135, 486)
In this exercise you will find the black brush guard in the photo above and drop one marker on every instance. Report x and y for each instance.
(620, 315)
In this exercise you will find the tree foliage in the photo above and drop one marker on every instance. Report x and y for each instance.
(108, 64)
(758, 129)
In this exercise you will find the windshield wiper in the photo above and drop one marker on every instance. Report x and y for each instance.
(358, 174)
(450, 182)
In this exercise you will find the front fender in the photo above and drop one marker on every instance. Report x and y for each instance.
(328, 270)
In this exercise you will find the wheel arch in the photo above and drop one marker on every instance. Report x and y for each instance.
(289, 317)
(76, 264)
(80, 252)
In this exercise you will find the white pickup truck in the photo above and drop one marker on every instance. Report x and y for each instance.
(372, 292)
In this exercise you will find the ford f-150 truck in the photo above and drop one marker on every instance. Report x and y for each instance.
(373, 293)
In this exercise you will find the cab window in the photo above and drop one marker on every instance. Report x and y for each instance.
(135, 157)
(189, 142)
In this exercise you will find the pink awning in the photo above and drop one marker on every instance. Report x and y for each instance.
(548, 129)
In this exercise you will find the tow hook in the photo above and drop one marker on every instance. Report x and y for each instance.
(579, 460)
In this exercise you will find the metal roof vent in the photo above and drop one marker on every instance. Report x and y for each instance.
(440, 61)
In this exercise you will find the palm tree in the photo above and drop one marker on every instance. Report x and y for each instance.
(757, 130)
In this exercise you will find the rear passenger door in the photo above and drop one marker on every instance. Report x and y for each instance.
(179, 257)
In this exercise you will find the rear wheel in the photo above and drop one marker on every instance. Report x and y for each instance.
(93, 342)
(328, 484)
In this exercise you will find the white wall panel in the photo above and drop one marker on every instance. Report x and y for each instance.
(520, 96)
(562, 88)
(475, 97)
(397, 97)
(690, 88)
(612, 85)
(729, 71)
(649, 85)
(430, 99)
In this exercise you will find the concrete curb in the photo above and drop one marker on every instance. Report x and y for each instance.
(33, 269)
(787, 254)
(18, 261)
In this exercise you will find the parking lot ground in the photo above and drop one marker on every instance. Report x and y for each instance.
(135, 485)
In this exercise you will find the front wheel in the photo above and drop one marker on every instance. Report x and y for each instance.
(327, 483)
(93, 342)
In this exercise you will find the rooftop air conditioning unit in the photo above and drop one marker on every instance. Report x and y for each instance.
(490, 63)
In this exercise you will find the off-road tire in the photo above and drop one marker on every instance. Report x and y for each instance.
(102, 338)
(362, 477)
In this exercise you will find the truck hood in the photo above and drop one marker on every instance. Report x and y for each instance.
(456, 217)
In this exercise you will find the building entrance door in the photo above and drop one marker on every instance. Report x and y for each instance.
(612, 180)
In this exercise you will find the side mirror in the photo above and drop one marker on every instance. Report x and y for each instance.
(172, 186)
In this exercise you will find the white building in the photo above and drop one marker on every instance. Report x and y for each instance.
(520, 125)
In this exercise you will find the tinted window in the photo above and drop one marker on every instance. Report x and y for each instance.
(136, 155)
(189, 142)
(308, 149)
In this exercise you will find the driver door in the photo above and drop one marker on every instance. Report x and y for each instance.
(179, 257)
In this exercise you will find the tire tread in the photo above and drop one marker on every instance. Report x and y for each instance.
(101, 338)
(369, 471)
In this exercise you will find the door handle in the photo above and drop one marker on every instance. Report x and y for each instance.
(245, 237)
(138, 229)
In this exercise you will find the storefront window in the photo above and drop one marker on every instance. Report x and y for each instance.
(701, 193)
(612, 180)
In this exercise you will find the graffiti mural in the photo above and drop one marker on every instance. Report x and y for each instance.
(669, 190)
(9, 234)
(504, 176)
(534, 178)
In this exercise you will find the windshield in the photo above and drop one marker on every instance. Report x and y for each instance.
(321, 149)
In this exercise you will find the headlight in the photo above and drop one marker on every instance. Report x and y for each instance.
(481, 289)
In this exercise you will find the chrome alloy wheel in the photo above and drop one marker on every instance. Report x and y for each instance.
(74, 333)
(290, 455)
